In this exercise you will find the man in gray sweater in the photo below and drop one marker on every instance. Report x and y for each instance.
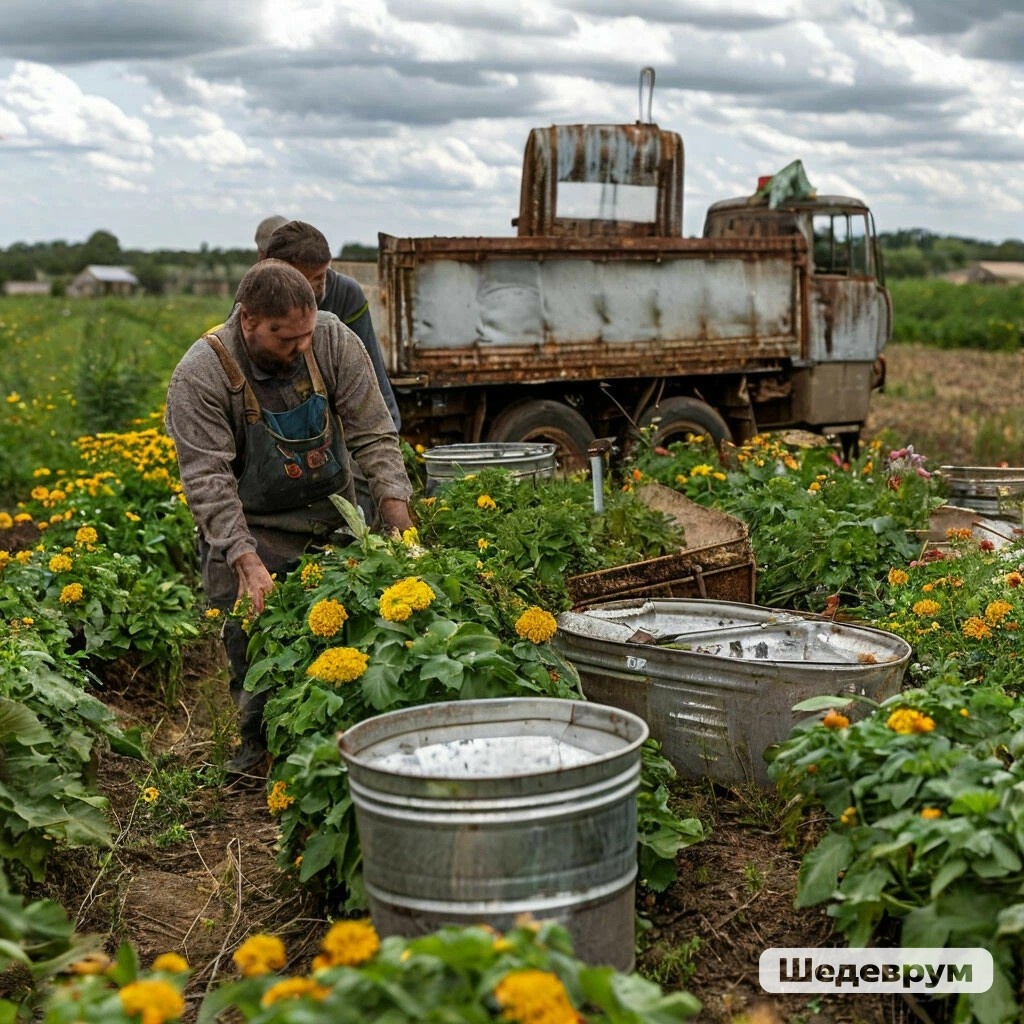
(265, 414)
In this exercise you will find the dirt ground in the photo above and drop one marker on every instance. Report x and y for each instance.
(203, 893)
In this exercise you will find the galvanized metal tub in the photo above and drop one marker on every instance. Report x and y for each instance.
(725, 689)
(981, 487)
(525, 460)
(480, 810)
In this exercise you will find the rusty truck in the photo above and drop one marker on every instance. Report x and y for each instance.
(598, 317)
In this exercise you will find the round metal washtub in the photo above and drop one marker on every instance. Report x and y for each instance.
(477, 811)
(525, 460)
(716, 681)
(981, 487)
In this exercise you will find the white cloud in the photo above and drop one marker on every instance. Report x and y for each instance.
(218, 148)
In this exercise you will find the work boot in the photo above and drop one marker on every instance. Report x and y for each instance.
(249, 760)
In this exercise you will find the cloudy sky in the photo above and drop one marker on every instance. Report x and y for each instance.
(177, 122)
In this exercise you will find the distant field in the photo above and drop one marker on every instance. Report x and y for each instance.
(77, 367)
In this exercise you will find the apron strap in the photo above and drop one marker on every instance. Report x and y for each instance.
(236, 379)
(315, 377)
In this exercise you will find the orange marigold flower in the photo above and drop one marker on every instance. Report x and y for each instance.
(536, 625)
(955, 533)
(907, 720)
(898, 577)
(1014, 579)
(485, 501)
(173, 963)
(926, 607)
(996, 611)
(294, 988)
(349, 943)
(259, 954)
(534, 996)
(834, 720)
(154, 999)
(975, 628)
(930, 813)
(279, 799)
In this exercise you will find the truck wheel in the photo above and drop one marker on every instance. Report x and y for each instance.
(549, 422)
(679, 416)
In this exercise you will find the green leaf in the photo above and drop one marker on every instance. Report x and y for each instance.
(820, 869)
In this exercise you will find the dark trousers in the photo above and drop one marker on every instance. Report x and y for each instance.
(280, 553)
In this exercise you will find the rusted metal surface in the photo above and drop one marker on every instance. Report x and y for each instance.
(491, 310)
(611, 155)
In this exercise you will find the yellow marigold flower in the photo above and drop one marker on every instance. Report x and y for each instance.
(486, 501)
(930, 813)
(834, 720)
(22, 517)
(42, 471)
(403, 598)
(718, 476)
(702, 470)
(13, 398)
(155, 1000)
(536, 625)
(814, 486)
(294, 988)
(42, 526)
(132, 517)
(72, 593)
(6, 521)
(420, 449)
(57, 495)
(279, 799)
(534, 997)
(173, 963)
(411, 537)
(151, 794)
(311, 575)
(326, 617)
(27, 620)
(848, 816)
(91, 963)
(996, 611)
(339, 665)
(483, 544)
(40, 493)
(61, 563)
(259, 954)
(86, 535)
(958, 533)
(975, 628)
(350, 943)
(926, 607)
(908, 720)
(898, 577)
(428, 501)
(5, 557)
(23, 557)
(964, 713)
(212, 613)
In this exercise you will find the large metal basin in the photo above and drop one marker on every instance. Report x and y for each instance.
(716, 681)
(477, 811)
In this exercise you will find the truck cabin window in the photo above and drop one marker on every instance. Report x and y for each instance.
(597, 200)
(842, 245)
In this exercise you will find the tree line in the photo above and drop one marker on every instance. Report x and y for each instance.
(913, 253)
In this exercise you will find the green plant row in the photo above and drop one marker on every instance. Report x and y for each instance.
(950, 315)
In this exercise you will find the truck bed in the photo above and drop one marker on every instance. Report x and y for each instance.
(466, 310)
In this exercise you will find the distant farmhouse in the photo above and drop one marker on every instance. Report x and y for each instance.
(97, 280)
(988, 272)
(27, 288)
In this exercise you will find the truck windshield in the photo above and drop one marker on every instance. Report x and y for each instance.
(842, 244)
(596, 200)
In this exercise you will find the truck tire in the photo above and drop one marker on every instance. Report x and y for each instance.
(549, 422)
(679, 416)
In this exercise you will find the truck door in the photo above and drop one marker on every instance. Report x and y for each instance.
(850, 310)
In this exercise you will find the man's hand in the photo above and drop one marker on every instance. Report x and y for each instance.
(254, 581)
(395, 517)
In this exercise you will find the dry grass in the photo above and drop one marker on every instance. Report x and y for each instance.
(956, 406)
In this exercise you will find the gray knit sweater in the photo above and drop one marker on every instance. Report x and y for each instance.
(208, 427)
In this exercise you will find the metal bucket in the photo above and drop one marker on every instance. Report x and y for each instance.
(477, 811)
(981, 487)
(524, 460)
(725, 689)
